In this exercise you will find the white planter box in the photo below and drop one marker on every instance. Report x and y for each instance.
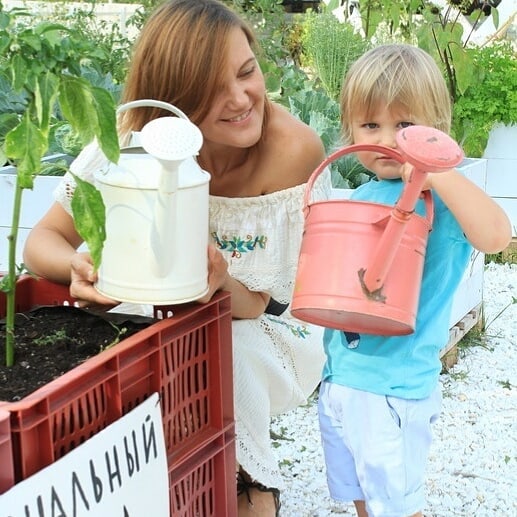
(35, 203)
(470, 291)
(501, 182)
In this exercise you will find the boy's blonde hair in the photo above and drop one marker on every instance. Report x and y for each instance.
(400, 76)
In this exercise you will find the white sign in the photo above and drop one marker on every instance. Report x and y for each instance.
(119, 472)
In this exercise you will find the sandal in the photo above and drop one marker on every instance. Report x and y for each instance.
(244, 484)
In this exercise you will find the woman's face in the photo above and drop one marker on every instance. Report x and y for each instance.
(237, 113)
(380, 128)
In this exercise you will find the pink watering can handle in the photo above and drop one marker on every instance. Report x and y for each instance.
(428, 150)
(350, 149)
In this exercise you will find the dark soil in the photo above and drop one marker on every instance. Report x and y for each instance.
(52, 340)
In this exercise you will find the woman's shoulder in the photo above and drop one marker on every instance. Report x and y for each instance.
(285, 126)
(293, 145)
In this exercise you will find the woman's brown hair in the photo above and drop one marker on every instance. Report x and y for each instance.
(179, 58)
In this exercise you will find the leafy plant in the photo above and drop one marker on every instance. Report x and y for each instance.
(321, 112)
(329, 47)
(41, 61)
(278, 47)
(481, 96)
(491, 99)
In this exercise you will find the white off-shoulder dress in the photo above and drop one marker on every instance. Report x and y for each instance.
(277, 360)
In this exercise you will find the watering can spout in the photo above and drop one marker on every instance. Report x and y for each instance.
(171, 141)
(163, 226)
(428, 150)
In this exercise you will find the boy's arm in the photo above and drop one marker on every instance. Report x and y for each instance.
(484, 222)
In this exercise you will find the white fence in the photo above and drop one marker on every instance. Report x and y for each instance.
(116, 13)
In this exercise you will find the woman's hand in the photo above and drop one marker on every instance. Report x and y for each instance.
(217, 273)
(82, 278)
(246, 304)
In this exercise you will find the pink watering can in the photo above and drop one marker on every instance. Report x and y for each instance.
(360, 265)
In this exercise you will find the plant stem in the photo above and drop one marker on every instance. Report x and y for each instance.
(11, 277)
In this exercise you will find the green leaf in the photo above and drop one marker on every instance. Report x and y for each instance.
(26, 146)
(495, 17)
(19, 72)
(5, 41)
(5, 19)
(8, 121)
(32, 40)
(5, 284)
(46, 27)
(45, 95)
(106, 131)
(75, 99)
(91, 112)
(89, 217)
(463, 66)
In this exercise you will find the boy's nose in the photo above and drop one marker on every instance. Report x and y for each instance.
(387, 138)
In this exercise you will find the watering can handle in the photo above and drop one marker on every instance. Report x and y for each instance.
(388, 151)
(427, 149)
(151, 103)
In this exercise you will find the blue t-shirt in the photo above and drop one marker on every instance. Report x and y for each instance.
(407, 366)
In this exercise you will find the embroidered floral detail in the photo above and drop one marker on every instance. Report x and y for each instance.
(297, 330)
(238, 246)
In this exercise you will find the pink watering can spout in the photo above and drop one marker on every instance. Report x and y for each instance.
(428, 150)
(360, 265)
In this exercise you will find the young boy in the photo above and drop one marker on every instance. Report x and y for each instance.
(379, 397)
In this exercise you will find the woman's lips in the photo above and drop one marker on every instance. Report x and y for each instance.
(239, 118)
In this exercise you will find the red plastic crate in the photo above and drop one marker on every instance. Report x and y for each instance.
(6, 455)
(186, 358)
(205, 484)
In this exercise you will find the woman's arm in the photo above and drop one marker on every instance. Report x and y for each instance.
(51, 244)
(246, 304)
(51, 252)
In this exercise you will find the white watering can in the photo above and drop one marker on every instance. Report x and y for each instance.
(156, 201)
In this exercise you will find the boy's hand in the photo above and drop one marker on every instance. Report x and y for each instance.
(407, 169)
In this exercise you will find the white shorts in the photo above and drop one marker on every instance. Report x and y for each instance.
(376, 448)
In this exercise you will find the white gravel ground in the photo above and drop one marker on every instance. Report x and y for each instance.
(473, 464)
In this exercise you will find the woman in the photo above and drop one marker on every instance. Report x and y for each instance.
(198, 56)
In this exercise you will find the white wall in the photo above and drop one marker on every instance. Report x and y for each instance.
(501, 183)
(105, 11)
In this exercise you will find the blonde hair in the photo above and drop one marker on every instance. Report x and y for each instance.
(399, 76)
(179, 58)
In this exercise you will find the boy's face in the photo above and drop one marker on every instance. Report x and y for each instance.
(380, 128)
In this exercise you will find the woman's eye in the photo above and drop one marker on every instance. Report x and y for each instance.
(247, 71)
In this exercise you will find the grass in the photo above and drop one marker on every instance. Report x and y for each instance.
(476, 336)
(509, 255)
